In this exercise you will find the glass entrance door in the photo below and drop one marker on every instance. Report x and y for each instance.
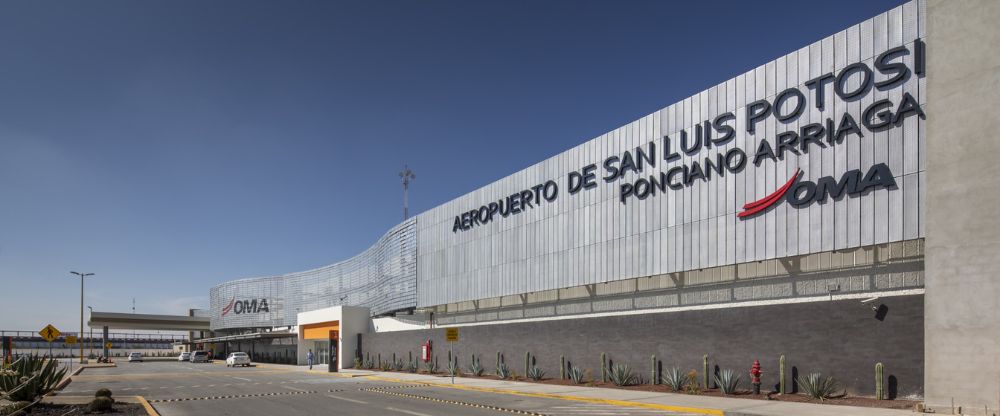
(322, 351)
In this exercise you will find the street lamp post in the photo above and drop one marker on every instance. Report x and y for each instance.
(91, 340)
(406, 175)
(82, 275)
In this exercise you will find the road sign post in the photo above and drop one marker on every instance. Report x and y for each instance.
(451, 335)
(49, 333)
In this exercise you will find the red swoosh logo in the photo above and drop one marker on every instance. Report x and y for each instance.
(228, 307)
(759, 205)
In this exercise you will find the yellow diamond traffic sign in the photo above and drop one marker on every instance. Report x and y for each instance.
(49, 333)
(71, 339)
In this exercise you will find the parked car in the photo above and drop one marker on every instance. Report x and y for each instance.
(134, 357)
(199, 357)
(238, 358)
(185, 356)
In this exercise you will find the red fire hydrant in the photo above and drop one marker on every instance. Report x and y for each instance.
(755, 376)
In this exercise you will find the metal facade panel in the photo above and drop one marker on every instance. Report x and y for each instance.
(591, 237)
(383, 278)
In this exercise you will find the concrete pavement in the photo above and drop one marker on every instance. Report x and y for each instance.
(639, 399)
(181, 388)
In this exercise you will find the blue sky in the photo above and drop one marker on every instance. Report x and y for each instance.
(168, 146)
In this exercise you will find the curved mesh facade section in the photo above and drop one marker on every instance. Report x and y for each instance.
(383, 278)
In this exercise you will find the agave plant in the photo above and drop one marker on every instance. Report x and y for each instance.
(728, 381)
(358, 363)
(503, 371)
(476, 368)
(29, 377)
(432, 365)
(818, 387)
(576, 374)
(675, 378)
(398, 365)
(411, 366)
(536, 373)
(621, 375)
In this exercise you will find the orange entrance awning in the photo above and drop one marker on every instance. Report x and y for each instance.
(320, 330)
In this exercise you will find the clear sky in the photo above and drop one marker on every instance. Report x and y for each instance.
(168, 146)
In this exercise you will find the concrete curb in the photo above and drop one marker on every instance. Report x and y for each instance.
(145, 405)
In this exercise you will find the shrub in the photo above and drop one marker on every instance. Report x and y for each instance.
(728, 381)
(102, 393)
(358, 363)
(818, 387)
(101, 404)
(535, 373)
(621, 375)
(691, 386)
(576, 374)
(675, 379)
(503, 371)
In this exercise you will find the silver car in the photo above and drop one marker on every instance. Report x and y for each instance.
(199, 357)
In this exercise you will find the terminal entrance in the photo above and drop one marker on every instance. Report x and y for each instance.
(325, 339)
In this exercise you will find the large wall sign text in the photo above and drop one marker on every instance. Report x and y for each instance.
(716, 133)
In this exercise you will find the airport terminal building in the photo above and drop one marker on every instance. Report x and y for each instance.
(828, 206)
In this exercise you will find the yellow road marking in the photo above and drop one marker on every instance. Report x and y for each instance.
(145, 405)
(621, 403)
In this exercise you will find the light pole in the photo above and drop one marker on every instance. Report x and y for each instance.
(406, 175)
(82, 275)
(91, 340)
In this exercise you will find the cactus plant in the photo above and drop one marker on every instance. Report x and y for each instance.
(879, 390)
(653, 379)
(562, 367)
(781, 374)
(411, 355)
(604, 368)
(704, 360)
(527, 362)
(498, 360)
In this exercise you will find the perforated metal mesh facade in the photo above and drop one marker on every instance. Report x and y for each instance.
(382, 278)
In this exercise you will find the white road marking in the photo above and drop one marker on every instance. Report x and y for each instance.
(346, 399)
(293, 388)
(241, 378)
(407, 411)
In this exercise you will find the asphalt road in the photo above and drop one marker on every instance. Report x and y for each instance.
(181, 388)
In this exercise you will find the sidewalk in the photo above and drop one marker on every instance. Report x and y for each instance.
(663, 401)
